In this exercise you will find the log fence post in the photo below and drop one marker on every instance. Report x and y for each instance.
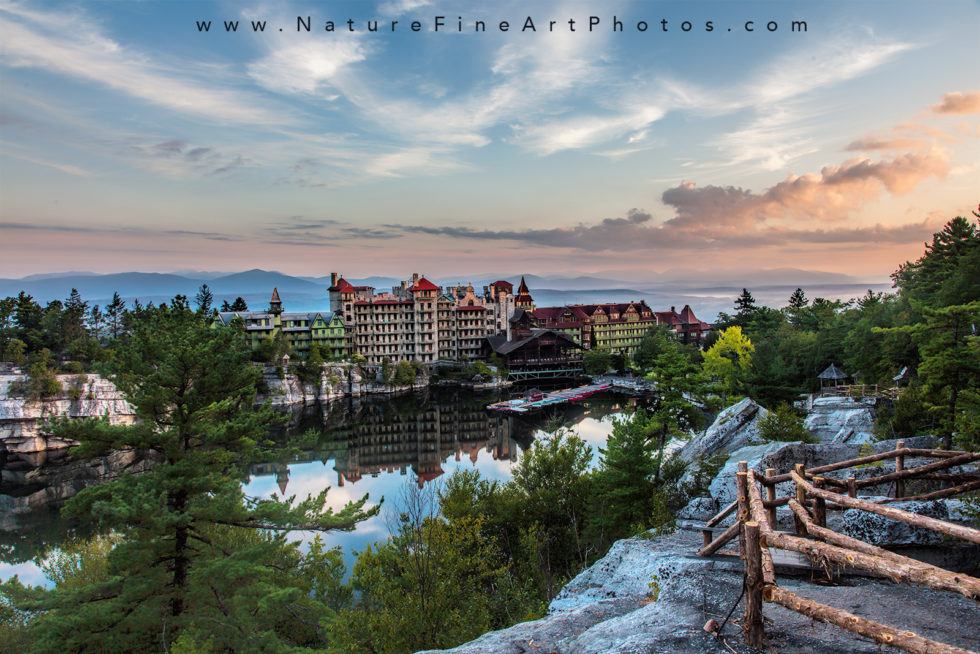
(899, 466)
(742, 488)
(819, 505)
(801, 498)
(771, 496)
(754, 629)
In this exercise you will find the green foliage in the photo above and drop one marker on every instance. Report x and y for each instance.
(597, 361)
(15, 351)
(41, 379)
(730, 360)
(195, 556)
(405, 373)
(784, 424)
(429, 585)
(624, 484)
(907, 417)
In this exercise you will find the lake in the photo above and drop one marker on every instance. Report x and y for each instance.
(375, 446)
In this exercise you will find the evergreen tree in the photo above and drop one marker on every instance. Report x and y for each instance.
(624, 481)
(678, 378)
(196, 556)
(745, 308)
(204, 300)
(114, 315)
(950, 363)
(948, 273)
(798, 299)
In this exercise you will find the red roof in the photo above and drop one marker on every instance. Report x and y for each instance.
(342, 285)
(501, 282)
(476, 307)
(424, 285)
(688, 316)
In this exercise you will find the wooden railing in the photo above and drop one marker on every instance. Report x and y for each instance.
(756, 529)
(862, 390)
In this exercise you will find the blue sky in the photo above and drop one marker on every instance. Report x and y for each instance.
(130, 140)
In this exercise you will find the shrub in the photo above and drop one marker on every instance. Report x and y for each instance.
(785, 425)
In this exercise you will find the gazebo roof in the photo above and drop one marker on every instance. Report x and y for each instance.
(833, 372)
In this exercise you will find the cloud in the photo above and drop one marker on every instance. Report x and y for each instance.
(177, 157)
(795, 210)
(871, 143)
(308, 65)
(65, 168)
(117, 231)
(36, 39)
(959, 103)
(832, 194)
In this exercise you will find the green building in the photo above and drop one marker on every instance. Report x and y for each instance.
(301, 330)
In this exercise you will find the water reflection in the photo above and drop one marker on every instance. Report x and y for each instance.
(371, 447)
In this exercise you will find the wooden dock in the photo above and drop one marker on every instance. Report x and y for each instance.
(539, 401)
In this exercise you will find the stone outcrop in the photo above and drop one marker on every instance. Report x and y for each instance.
(841, 419)
(734, 428)
(654, 595)
(336, 380)
(22, 419)
(82, 396)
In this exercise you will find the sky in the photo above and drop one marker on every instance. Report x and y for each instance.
(133, 139)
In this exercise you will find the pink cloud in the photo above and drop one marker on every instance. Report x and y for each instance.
(959, 103)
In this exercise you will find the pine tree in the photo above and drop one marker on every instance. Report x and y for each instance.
(196, 556)
(798, 299)
(204, 300)
(745, 308)
(114, 314)
(950, 364)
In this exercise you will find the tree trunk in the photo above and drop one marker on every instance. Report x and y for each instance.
(181, 562)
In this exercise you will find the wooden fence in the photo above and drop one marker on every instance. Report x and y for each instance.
(755, 528)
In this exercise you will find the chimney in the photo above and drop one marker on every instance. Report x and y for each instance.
(415, 279)
(672, 310)
(333, 279)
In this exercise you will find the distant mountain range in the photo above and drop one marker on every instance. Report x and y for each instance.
(706, 292)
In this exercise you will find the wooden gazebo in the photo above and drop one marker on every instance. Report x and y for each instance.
(831, 374)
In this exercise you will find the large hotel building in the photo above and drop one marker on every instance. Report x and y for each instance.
(419, 321)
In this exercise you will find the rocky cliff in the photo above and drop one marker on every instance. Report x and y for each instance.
(82, 396)
(22, 419)
(654, 595)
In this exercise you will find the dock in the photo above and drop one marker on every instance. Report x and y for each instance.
(541, 400)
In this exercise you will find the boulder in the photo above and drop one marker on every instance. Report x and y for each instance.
(700, 508)
(734, 428)
(833, 419)
(722, 487)
(883, 532)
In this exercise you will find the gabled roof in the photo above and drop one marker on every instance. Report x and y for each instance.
(506, 347)
(227, 316)
(688, 316)
(342, 285)
(501, 282)
(424, 285)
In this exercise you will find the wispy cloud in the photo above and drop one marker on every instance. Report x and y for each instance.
(38, 39)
